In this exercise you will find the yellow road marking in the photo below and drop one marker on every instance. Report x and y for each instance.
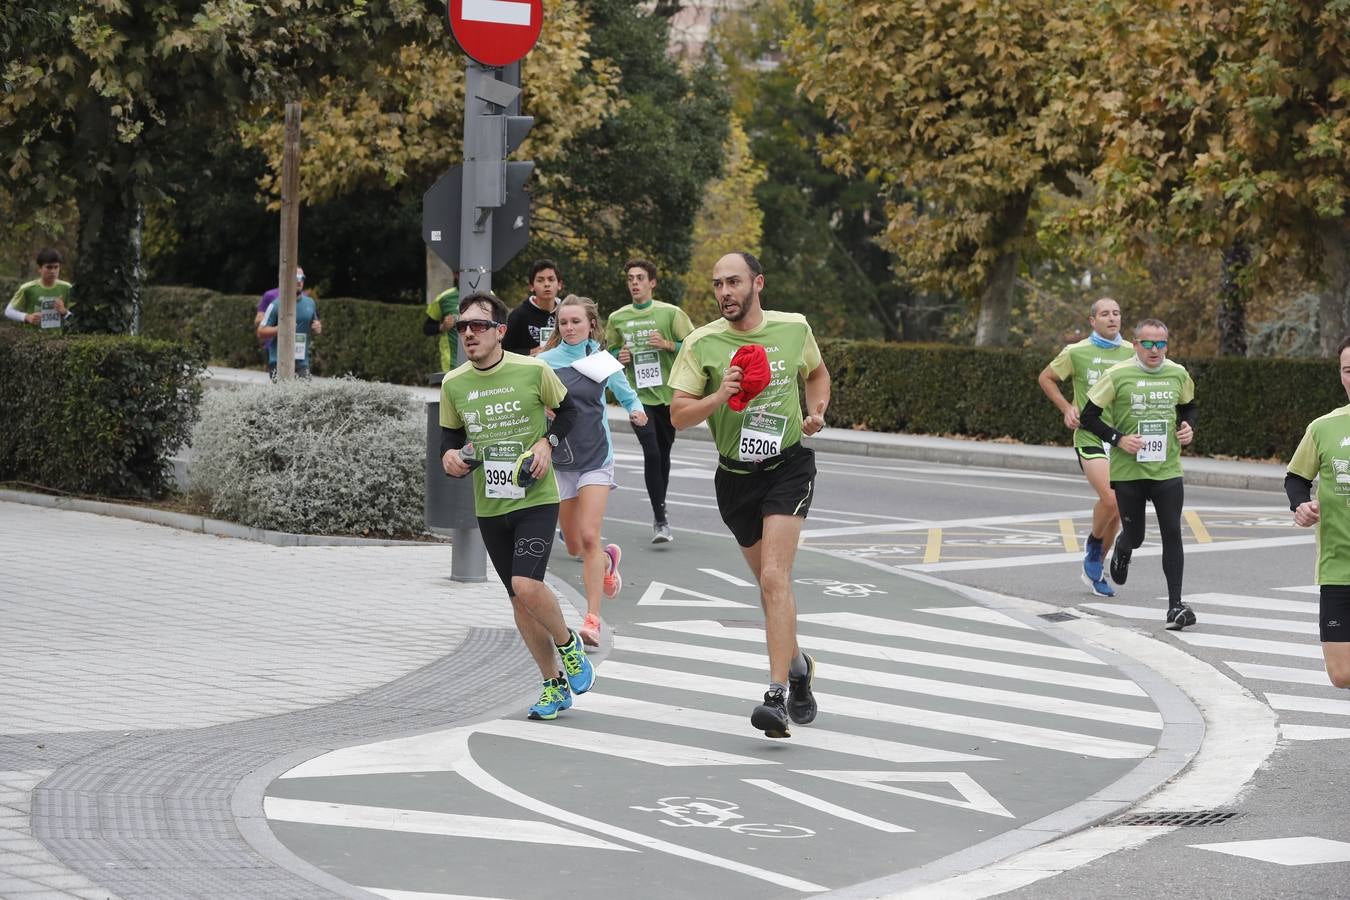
(934, 548)
(1066, 532)
(1197, 527)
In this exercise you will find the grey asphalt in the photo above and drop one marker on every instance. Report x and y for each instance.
(128, 742)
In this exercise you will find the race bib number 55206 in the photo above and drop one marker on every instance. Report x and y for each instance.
(761, 436)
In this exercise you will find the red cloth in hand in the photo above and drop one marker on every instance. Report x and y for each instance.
(755, 375)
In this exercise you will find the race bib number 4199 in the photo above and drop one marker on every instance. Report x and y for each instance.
(1154, 434)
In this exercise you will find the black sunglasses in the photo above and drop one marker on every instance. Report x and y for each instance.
(478, 326)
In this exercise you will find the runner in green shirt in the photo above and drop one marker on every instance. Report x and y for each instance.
(1145, 408)
(1083, 363)
(765, 478)
(494, 423)
(44, 301)
(645, 336)
(1324, 454)
(440, 324)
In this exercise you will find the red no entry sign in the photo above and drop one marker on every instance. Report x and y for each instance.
(496, 32)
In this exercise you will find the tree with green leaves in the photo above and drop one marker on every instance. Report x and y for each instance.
(1230, 128)
(959, 110)
(97, 91)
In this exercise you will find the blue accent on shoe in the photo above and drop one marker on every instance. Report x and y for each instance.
(553, 699)
(1092, 560)
(1101, 587)
(580, 673)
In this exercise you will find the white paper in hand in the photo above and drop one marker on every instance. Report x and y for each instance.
(598, 366)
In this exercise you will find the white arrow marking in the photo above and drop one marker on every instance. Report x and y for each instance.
(418, 821)
(499, 12)
(655, 595)
(976, 799)
(826, 806)
(731, 579)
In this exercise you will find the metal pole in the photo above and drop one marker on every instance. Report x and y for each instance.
(290, 239)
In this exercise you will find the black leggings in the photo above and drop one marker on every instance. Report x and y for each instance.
(519, 542)
(1168, 497)
(656, 438)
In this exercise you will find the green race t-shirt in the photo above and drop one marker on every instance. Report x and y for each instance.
(1138, 402)
(773, 420)
(502, 411)
(1324, 454)
(446, 302)
(1084, 362)
(32, 297)
(649, 370)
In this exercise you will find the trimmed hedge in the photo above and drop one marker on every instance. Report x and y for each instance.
(95, 414)
(364, 338)
(1254, 408)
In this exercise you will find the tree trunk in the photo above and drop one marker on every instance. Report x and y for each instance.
(107, 293)
(1232, 314)
(991, 327)
(1333, 314)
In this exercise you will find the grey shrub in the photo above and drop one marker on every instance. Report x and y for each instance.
(331, 457)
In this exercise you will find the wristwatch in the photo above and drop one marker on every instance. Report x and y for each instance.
(552, 440)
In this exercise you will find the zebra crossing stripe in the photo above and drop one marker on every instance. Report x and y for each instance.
(916, 632)
(723, 724)
(1313, 732)
(968, 664)
(1158, 614)
(389, 894)
(1097, 712)
(1297, 703)
(978, 614)
(1238, 601)
(1278, 673)
(832, 704)
(418, 821)
(1250, 645)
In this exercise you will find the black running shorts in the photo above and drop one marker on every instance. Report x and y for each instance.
(519, 542)
(783, 489)
(1334, 616)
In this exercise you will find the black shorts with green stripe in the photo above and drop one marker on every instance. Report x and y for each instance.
(780, 486)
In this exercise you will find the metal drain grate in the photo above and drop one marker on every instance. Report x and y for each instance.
(1186, 819)
(1059, 617)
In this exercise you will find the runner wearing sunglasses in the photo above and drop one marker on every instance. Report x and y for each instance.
(1145, 408)
(499, 402)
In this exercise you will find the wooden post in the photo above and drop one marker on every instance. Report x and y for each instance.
(290, 240)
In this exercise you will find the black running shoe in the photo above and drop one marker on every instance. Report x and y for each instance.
(771, 716)
(1179, 617)
(1120, 563)
(801, 704)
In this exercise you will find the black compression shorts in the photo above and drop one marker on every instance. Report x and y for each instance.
(1334, 616)
(519, 542)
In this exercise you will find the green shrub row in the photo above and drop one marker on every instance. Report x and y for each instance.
(369, 340)
(1255, 408)
(94, 414)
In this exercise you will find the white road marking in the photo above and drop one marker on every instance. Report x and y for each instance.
(1297, 703)
(816, 738)
(1291, 851)
(390, 894)
(825, 806)
(727, 577)
(1157, 614)
(1096, 712)
(499, 12)
(1302, 589)
(911, 631)
(417, 821)
(1038, 559)
(658, 753)
(976, 798)
(1280, 673)
(978, 614)
(833, 704)
(480, 778)
(1313, 733)
(655, 595)
(1237, 601)
(811, 533)
(969, 664)
(1250, 645)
